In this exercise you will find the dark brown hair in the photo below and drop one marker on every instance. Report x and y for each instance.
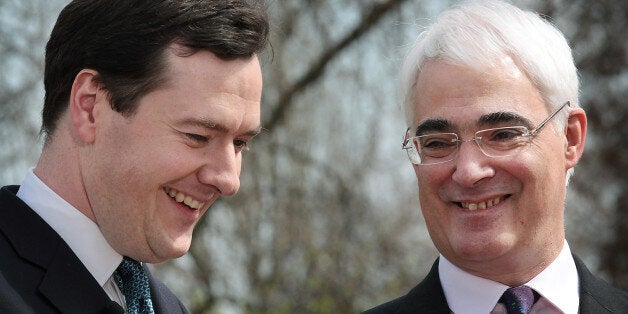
(124, 40)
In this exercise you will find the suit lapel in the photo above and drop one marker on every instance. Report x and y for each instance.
(164, 302)
(596, 296)
(66, 283)
(427, 297)
(71, 288)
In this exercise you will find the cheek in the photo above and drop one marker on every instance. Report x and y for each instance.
(543, 187)
(539, 168)
(433, 208)
(430, 180)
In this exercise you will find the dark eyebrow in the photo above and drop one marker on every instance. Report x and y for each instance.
(433, 125)
(487, 120)
(495, 118)
(211, 125)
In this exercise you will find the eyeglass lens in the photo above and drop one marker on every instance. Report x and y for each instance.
(496, 142)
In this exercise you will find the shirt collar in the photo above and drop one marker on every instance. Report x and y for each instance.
(559, 282)
(80, 233)
(466, 293)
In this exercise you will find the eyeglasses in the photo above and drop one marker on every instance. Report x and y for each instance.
(439, 148)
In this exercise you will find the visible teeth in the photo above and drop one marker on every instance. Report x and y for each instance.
(481, 205)
(194, 204)
(188, 201)
(185, 199)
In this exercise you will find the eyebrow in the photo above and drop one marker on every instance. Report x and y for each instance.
(433, 125)
(214, 126)
(487, 120)
(496, 118)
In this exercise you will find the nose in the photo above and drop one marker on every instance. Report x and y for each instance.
(471, 165)
(221, 169)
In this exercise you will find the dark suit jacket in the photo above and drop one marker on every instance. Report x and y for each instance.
(39, 273)
(596, 296)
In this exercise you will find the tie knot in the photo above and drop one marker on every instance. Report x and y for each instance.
(518, 300)
(133, 282)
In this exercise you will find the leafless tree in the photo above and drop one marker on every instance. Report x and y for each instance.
(24, 28)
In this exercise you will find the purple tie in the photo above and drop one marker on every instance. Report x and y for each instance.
(518, 300)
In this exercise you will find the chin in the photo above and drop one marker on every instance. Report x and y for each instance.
(482, 250)
(179, 250)
(171, 249)
(178, 253)
(166, 254)
(475, 254)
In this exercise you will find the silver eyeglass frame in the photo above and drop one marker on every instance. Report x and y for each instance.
(413, 153)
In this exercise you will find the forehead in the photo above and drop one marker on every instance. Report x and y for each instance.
(462, 95)
(203, 90)
(205, 71)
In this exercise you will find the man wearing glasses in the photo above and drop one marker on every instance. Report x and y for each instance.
(495, 129)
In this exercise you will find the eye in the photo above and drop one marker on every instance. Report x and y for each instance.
(197, 138)
(436, 142)
(506, 134)
(241, 145)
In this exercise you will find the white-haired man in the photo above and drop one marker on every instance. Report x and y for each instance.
(494, 131)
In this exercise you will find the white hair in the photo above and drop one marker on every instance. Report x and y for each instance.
(479, 34)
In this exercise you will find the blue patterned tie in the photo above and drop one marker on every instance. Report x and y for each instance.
(133, 282)
(518, 300)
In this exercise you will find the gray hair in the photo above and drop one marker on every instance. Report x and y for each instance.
(479, 34)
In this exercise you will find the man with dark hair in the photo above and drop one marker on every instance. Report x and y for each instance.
(149, 105)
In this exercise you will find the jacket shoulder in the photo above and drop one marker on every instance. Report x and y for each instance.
(164, 300)
(598, 296)
(427, 297)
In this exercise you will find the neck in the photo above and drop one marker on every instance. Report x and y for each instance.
(59, 168)
(516, 269)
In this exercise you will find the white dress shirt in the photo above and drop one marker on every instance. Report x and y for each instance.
(80, 233)
(557, 284)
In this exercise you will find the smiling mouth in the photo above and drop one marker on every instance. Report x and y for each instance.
(483, 204)
(185, 199)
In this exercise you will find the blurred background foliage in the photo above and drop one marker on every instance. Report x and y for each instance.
(327, 219)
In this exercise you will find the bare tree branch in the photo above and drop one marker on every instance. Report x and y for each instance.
(318, 68)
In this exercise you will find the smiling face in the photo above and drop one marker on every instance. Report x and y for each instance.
(497, 218)
(150, 177)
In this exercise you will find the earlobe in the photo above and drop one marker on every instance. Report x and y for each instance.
(82, 102)
(575, 131)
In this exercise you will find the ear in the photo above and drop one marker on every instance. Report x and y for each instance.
(575, 131)
(83, 100)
